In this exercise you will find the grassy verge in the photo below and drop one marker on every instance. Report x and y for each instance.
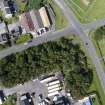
(21, 5)
(60, 19)
(95, 86)
(93, 11)
(95, 44)
(100, 48)
(11, 100)
(96, 101)
(4, 46)
(23, 39)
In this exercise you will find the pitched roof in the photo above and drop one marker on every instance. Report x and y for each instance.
(26, 21)
(3, 28)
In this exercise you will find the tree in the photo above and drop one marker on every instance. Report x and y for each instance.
(78, 81)
(42, 59)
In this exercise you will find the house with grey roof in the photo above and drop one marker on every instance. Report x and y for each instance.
(3, 32)
(15, 29)
(37, 21)
(8, 7)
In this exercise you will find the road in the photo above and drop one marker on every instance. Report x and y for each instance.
(84, 37)
(46, 37)
(94, 25)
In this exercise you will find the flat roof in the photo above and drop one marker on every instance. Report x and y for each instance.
(35, 16)
(44, 17)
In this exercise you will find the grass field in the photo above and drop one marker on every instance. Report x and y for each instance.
(60, 19)
(98, 44)
(94, 10)
(21, 5)
(95, 86)
(100, 47)
(23, 39)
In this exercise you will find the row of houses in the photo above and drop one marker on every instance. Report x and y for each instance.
(6, 32)
(29, 22)
(8, 7)
(34, 20)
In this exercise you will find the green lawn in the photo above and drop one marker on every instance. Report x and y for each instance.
(60, 19)
(21, 5)
(96, 101)
(23, 39)
(4, 46)
(95, 9)
(99, 46)
(95, 86)
(11, 100)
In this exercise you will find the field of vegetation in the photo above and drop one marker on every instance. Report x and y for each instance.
(11, 100)
(60, 19)
(93, 10)
(98, 39)
(95, 85)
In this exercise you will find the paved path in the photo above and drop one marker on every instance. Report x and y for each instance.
(94, 25)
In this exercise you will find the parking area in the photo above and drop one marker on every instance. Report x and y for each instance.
(29, 87)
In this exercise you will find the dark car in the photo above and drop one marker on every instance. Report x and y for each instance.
(26, 99)
(2, 96)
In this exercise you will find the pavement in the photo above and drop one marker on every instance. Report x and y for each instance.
(30, 87)
(94, 25)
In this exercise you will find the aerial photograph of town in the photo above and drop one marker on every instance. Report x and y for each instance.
(52, 52)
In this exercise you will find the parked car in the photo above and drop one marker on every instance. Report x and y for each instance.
(26, 43)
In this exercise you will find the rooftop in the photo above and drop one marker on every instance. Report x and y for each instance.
(3, 28)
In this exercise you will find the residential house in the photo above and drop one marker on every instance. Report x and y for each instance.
(15, 29)
(44, 17)
(37, 21)
(26, 22)
(8, 7)
(3, 32)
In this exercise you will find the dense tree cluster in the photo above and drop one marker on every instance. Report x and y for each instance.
(78, 81)
(45, 58)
